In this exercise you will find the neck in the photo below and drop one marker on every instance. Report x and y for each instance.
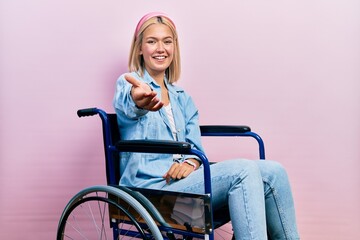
(158, 77)
(160, 80)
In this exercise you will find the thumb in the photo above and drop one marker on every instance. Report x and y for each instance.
(133, 81)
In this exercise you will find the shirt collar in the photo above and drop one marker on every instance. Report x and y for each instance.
(149, 80)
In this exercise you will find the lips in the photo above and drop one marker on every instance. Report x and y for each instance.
(159, 57)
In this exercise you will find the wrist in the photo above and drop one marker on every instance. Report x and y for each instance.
(191, 163)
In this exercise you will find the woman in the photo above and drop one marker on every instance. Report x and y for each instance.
(149, 106)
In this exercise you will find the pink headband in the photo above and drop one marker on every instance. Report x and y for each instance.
(148, 16)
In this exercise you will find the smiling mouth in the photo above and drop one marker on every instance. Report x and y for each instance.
(160, 57)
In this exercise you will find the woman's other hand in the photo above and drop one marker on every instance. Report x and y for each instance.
(179, 171)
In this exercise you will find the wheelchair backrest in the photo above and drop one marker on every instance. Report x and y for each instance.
(112, 157)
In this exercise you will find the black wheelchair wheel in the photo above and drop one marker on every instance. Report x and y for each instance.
(105, 213)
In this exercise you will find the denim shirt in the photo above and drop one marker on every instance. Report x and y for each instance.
(147, 169)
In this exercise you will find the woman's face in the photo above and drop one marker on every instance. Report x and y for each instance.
(157, 48)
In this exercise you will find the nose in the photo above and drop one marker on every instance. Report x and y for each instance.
(160, 46)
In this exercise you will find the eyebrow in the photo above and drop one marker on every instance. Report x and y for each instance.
(149, 37)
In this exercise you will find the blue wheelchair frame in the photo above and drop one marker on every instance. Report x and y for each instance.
(158, 146)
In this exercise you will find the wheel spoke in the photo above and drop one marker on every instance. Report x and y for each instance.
(87, 216)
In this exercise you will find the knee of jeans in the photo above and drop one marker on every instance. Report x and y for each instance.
(246, 168)
(274, 172)
(278, 168)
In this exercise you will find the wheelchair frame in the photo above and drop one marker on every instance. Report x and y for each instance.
(113, 195)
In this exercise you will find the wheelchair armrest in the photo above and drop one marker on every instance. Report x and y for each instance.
(153, 146)
(233, 131)
(223, 130)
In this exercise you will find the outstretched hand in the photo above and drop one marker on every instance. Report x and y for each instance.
(143, 96)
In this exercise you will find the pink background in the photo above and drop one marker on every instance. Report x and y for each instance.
(289, 69)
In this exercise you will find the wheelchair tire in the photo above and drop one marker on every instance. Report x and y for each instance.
(87, 216)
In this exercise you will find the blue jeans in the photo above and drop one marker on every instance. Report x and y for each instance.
(257, 193)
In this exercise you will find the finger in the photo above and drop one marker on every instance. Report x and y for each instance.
(184, 171)
(187, 173)
(142, 93)
(155, 105)
(167, 178)
(168, 174)
(177, 173)
(181, 173)
(147, 102)
(150, 94)
(133, 81)
(172, 169)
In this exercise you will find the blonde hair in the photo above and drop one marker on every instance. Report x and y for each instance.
(136, 61)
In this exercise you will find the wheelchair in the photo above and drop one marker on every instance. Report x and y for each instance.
(117, 212)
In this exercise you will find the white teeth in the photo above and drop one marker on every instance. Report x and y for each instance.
(160, 57)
